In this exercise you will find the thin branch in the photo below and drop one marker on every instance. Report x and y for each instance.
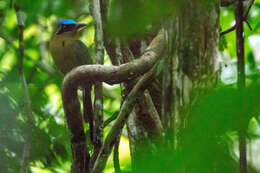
(126, 108)
(108, 43)
(131, 55)
(245, 17)
(228, 30)
(27, 101)
(240, 44)
(241, 78)
(119, 56)
(242, 152)
(109, 120)
(98, 32)
(116, 160)
(153, 121)
(249, 26)
(116, 155)
(153, 113)
(99, 58)
(249, 6)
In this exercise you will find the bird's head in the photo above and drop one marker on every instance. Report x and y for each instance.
(67, 26)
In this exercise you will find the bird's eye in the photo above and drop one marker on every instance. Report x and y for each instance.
(67, 27)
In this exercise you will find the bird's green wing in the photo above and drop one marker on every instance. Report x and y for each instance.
(81, 52)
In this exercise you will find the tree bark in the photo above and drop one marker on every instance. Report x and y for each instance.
(195, 72)
(195, 68)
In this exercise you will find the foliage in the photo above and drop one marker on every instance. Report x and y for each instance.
(50, 150)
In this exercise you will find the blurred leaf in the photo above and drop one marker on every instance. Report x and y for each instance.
(136, 17)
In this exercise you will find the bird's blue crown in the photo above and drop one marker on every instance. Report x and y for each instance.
(67, 21)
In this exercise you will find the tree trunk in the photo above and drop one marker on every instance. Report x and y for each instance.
(190, 68)
(195, 55)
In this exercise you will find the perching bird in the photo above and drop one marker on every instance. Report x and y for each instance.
(69, 52)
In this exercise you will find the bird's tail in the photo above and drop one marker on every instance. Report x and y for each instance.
(88, 110)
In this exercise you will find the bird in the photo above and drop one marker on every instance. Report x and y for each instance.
(66, 49)
(69, 52)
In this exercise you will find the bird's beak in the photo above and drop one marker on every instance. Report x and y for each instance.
(58, 30)
(80, 26)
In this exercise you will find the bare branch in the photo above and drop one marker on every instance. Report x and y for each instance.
(152, 121)
(249, 26)
(228, 31)
(98, 103)
(115, 74)
(27, 101)
(153, 113)
(110, 119)
(246, 12)
(240, 44)
(241, 78)
(116, 155)
(116, 160)
(245, 17)
(98, 32)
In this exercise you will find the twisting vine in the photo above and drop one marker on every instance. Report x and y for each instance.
(111, 75)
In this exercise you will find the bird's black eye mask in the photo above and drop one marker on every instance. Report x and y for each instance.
(62, 28)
